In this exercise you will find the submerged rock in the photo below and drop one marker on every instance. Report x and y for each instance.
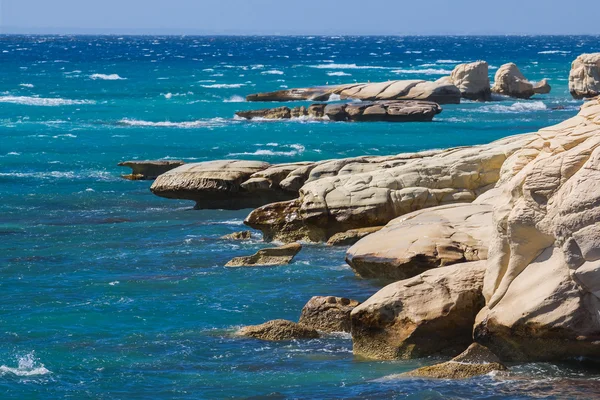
(510, 81)
(439, 92)
(422, 240)
(279, 329)
(476, 360)
(149, 169)
(389, 111)
(431, 313)
(242, 235)
(351, 236)
(328, 313)
(472, 80)
(584, 78)
(270, 256)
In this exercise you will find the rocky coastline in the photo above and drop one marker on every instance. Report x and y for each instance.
(491, 251)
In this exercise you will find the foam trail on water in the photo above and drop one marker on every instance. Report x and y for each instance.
(42, 101)
(27, 366)
(105, 77)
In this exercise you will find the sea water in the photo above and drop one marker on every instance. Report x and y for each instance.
(109, 292)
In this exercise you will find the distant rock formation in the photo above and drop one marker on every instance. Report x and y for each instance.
(267, 257)
(388, 111)
(472, 80)
(584, 78)
(149, 169)
(509, 81)
(438, 92)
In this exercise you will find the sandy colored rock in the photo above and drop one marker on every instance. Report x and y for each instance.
(422, 240)
(351, 236)
(279, 329)
(476, 360)
(328, 313)
(431, 313)
(543, 271)
(584, 77)
(472, 80)
(242, 235)
(266, 113)
(439, 92)
(149, 169)
(510, 81)
(266, 257)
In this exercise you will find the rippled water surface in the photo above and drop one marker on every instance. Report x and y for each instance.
(110, 292)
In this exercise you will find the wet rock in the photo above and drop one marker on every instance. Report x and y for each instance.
(242, 235)
(277, 330)
(328, 313)
(351, 236)
(149, 170)
(266, 113)
(266, 257)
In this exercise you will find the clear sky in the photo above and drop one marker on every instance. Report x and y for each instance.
(311, 17)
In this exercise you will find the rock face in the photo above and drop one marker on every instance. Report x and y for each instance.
(242, 235)
(222, 184)
(584, 78)
(439, 92)
(421, 316)
(509, 81)
(422, 240)
(542, 285)
(472, 80)
(389, 111)
(328, 313)
(352, 236)
(476, 360)
(279, 329)
(265, 257)
(148, 170)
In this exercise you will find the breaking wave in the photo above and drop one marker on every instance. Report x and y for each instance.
(426, 71)
(42, 101)
(105, 77)
(27, 366)
(224, 86)
(515, 108)
(339, 73)
(346, 66)
(201, 123)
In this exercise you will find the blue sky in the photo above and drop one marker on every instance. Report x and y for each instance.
(388, 17)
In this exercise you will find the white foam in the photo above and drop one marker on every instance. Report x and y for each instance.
(554, 52)
(345, 66)
(105, 77)
(272, 72)
(202, 123)
(449, 61)
(224, 86)
(339, 73)
(426, 71)
(334, 97)
(27, 366)
(234, 99)
(27, 85)
(297, 149)
(42, 101)
(518, 107)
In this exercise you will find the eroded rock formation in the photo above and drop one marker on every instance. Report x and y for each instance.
(472, 80)
(352, 236)
(510, 81)
(266, 257)
(328, 313)
(584, 78)
(279, 329)
(439, 92)
(149, 169)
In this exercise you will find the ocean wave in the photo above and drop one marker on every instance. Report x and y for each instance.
(224, 86)
(27, 85)
(42, 101)
(51, 175)
(450, 61)
(346, 66)
(339, 73)
(426, 71)
(105, 77)
(235, 99)
(201, 123)
(27, 366)
(554, 52)
(518, 107)
(296, 149)
(272, 72)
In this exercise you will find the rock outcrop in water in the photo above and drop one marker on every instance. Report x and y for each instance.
(438, 92)
(149, 169)
(472, 80)
(267, 257)
(431, 313)
(388, 111)
(584, 78)
(510, 81)
(277, 330)
(328, 313)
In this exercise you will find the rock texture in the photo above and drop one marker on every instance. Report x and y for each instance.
(389, 111)
(439, 92)
(265, 257)
(328, 313)
(148, 170)
(431, 313)
(352, 236)
(242, 235)
(422, 240)
(279, 329)
(542, 285)
(476, 360)
(584, 78)
(472, 80)
(509, 81)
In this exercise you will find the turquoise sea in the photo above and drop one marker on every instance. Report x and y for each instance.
(110, 292)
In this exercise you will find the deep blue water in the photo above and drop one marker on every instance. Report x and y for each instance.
(110, 292)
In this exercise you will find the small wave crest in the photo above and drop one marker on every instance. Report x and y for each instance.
(345, 66)
(295, 150)
(339, 73)
(201, 123)
(28, 365)
(425, 71)
(235, 99)
(272, 72)
(107, 77)
(42, 101)
(518, 107)
(224, 86)
(554, 52)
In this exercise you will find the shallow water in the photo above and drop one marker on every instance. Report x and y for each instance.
(111, 292)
